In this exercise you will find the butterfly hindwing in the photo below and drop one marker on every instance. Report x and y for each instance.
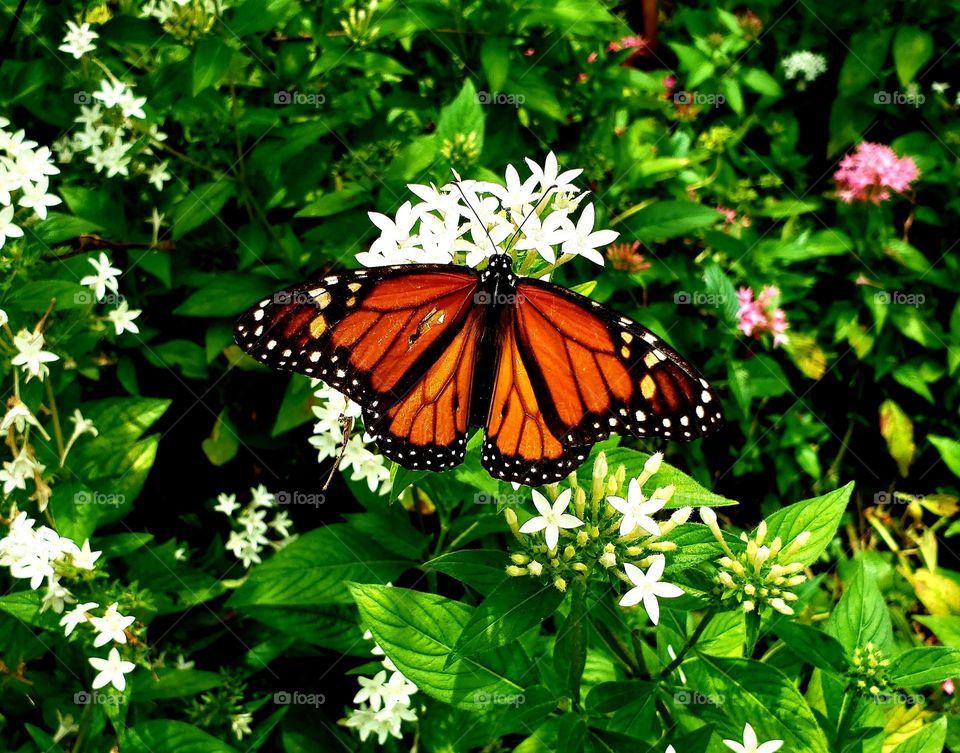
(519, 444)
(601, 373)
(397, 340)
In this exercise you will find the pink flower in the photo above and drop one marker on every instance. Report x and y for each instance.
(871, 172)
(948, 687)
(761, 315)
(581, 78)
(669, 82)
(730, 215)
(530, 52)
(591, 57)
(632, 42)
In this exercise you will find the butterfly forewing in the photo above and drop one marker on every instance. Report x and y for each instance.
(600, 373)
(398, 340)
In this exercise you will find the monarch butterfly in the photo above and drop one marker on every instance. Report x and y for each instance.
(431, 350)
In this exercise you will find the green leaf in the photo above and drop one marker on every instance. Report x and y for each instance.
(418, 630)
(25, 606)
(734, 94)
(863, 64)
(510, 610)
(462, 116)
(925, 665)
(482, 569)
(949, 450)
(761, 82)
(495, 59)
(766, 697)
(912, 49)
(897, 429)
(222, 444)
(687, 492)
(667, 219)
(172, 683)
(861, 616)
(314, 569)
(58, 227)
(227, 295)
(211, 59)
(329, 204)
(813, 646)
(945, 627)
(201, 203)
(930, 739)
(169, 736)
(819, 515)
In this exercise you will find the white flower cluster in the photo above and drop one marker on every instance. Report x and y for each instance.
(106, 278)
(762, 574)
(25, 170)
(41, 554)
(384, 701)
(165, 10)
(248, 539)
(804, 65)
(471, 220)
(612, 531)
(112, 136)
(331, 409)
(79, 40)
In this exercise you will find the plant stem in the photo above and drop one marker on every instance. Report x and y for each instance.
(691, 642)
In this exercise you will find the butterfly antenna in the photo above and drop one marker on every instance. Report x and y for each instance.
(475, 214)
(346, 426)
(516, 236)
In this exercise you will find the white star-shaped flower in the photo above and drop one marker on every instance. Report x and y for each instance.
(637, 509)
(583, 241)
(122, 318)
(543, 236)
(8, 228)
(548, 177)
(78, 40)
(648, 587)
(551, 518)
(35, 197)
(30, 354)
(227, 504)
(157, 175)
(516, 194)
(750, 743)
(105, 277)
(111, 627)
(76, 616)
(111, 670)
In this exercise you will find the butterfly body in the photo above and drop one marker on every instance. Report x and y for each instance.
(430, 351)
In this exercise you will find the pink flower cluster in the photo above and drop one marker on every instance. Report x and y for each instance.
(627, 43)
(761, 315)
(872, 172)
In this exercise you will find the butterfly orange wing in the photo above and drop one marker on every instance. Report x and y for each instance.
(400, 341)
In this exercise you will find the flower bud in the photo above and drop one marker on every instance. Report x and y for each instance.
(599, 475)
(634, 551)
(580, 567)
(708, 516)
(608, 559)
(560, 584)
(535, 568)
(569, 552)
(798, 543)
(749, 589)
(749, 606)
(519, 559)
(511, 517)
(515, 571)
(582, 538)
(580, 502)
(781, 606)
(761, 532)
(725, 580)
